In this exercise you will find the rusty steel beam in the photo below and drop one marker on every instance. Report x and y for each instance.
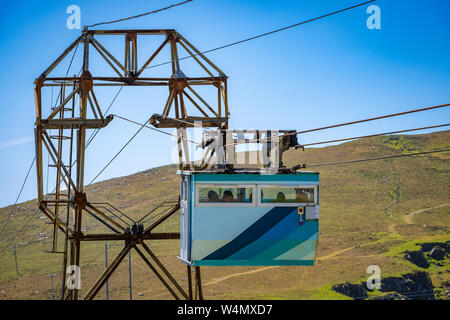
(163, 218)
(198, 283)
(128, 79)
(162, 122)
(144, 66)
(53, 152)
(137, 31)
(104, 216)
(163, 281)
(189, 276)
(60, 58)
(105, 223)
(75, 123)
(63, 103)
(164, 270)
(108, 272)
(133, 237)
(102, 53)
(61, 225)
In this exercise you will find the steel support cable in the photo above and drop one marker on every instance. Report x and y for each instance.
(372, 119)
(356, 122)
(110, 208)
(378, 158)
(376, 135)
(94, 134)
(164, 204)
(67, 72)
(267, 33)
(344, 139)
(143, 125)
(117, 154)
(154, 217)
(140, 15)
(342, 124)
(71, 60)
(22, 231)
(25, 225)
(17, 199)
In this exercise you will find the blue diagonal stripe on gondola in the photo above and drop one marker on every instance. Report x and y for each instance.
(280, 238)
(252, 233)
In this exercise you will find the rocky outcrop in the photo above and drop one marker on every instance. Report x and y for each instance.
(427, 247)
(411, 286)
(417, 257)
(415, 285)
(437, 253)
(434, 250)
(393, 284)
(355, 291)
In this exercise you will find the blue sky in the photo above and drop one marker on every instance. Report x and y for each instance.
(321, 73)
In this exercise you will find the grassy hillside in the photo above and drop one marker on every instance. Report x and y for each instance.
(370, 213)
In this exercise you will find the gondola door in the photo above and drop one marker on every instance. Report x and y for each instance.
(185, 217)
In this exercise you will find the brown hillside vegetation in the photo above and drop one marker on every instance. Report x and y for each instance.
(371, 212)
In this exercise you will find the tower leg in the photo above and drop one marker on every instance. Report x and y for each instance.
(189, 275)
(198, 283)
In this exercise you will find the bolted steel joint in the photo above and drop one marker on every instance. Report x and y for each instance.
(177, 84)
(80, 200)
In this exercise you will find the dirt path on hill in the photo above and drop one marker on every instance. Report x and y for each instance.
(217, 280)
(407, 218)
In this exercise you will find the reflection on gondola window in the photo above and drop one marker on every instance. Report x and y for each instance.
(287, 195)
(221, 194)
